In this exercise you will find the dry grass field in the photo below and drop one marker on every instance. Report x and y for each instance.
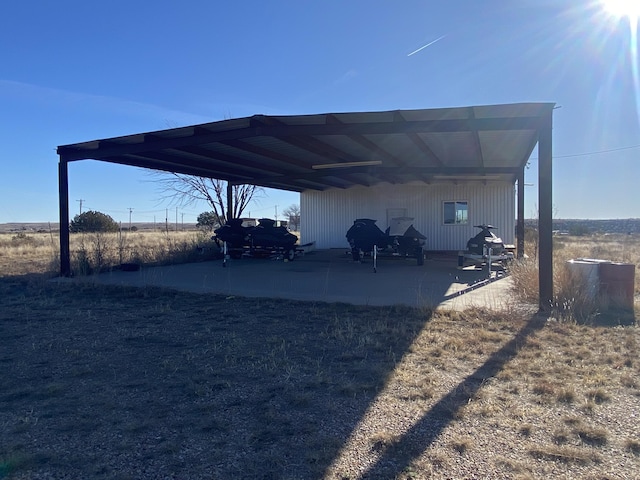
(112, 382)
(25, 253)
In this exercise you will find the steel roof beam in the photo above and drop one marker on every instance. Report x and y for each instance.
(172, 160)
(476, 137)
(237, 161)
(260, 127)
(265, 152)
(311, 145)
(171, 168)
(367, 144)
(419, 143)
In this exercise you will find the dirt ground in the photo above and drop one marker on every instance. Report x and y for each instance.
(124, 383)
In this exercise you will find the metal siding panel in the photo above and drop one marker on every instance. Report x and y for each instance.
(326, 216)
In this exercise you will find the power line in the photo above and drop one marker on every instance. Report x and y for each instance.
(586, 154)
(595, 153)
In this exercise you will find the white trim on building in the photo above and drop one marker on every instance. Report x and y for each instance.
(327, 215)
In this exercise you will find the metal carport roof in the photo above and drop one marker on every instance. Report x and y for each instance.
(341, 150)
(338, 150)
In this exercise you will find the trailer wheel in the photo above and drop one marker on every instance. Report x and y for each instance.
(291, 254)
(420, 256)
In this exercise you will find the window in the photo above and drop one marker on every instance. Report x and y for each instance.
(455, 213)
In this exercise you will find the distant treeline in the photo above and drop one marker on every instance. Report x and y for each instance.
(586, 227)
(570, 226)
(45, 227)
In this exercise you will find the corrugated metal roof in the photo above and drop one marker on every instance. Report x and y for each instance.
(320, 151)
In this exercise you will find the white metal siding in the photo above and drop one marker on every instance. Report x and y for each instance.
(327, 215)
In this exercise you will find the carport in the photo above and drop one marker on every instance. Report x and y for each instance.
(342, 150)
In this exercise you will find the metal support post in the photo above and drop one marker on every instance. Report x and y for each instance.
(545, 222)
(229, 201)
(63, 193)
(520, 216)
(375, 258)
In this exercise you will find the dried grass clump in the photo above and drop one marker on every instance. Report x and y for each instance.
(462, 444)
(567, 395)
(632, 445)
(573, 299)
(592, 436)
(524, 275)
(565, 454)
(598, 396)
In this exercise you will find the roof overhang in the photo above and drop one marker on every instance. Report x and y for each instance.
(338, 150)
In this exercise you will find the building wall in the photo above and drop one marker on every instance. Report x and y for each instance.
(327, 215)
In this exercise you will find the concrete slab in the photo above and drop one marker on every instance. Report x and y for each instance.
(331, 276)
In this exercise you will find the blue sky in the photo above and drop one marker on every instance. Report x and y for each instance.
(75, 71)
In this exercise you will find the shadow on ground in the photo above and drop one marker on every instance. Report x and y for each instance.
(104, 381)
(401, 454)
(114, 381)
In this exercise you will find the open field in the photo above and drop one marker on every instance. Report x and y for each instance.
(113, 382)
(24, 253)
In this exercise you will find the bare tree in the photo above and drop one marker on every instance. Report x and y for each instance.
(292, 212)
(186, 190)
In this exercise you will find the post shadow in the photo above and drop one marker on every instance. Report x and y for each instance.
(399, 455)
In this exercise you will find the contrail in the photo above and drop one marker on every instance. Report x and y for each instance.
(427, 45)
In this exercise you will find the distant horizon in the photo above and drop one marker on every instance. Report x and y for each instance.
(46, 222)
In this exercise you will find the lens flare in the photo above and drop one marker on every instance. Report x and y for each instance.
(622, 8)
(623, 12)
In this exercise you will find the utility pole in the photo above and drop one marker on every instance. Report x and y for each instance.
(182, 227)
(276, 213)
(166, 220)
(130, 210)
(176, 219)
(81, 200)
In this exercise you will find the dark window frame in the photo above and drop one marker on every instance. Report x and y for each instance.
(459, 216)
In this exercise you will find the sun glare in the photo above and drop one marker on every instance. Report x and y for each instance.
(622, 8)
(629, 10)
